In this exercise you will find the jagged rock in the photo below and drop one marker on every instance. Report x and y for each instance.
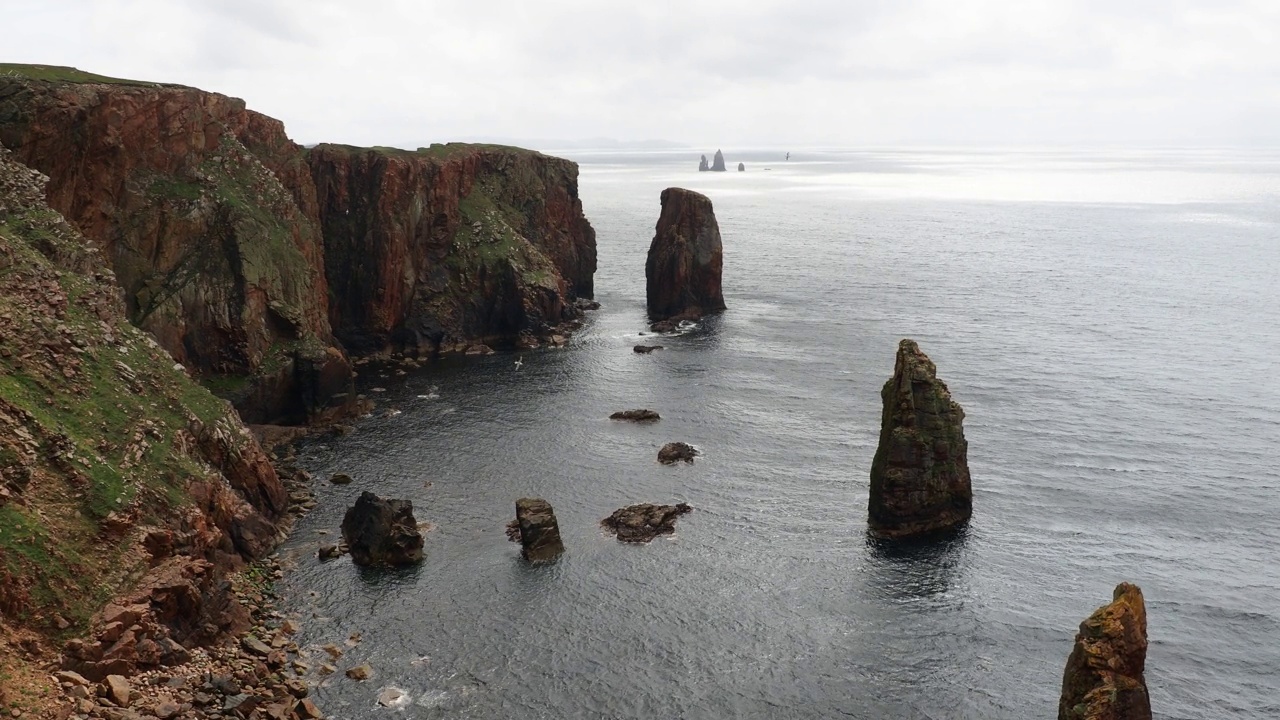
(307, 710)
(920, 474)
(539, 532)
(340, 479)
(641, 415)
(702, 164)
(1104, 679)
(675, 452)
(255, 646)
(360, 672)
(642, 523)
(382, 532)
(717, 163)
(742, 167)
(117, 690)
(329, 552)
(662, 326)
(683, 268)
(646, 349)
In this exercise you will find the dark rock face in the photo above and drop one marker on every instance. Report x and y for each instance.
(717, 163)
(1103, 679)
(920, 474)
(742, 167)
(382, 532)
(451, 246)
(674, 452)
(646, 349)
(642, 415)
(642, 523)
(537, 530)
(685, 261)
(702, 164)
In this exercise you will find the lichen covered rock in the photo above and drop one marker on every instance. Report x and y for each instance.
(1104, 679)
(920, 474)
(382, 532)
(686, 258)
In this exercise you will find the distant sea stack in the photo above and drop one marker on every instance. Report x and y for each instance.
(920, 474)
(1104, 675)
(702, 164)
(742, 167)
(717, 164)
(685, 260)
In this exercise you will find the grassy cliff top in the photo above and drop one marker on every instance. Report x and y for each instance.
(441, 151)
(61, 74)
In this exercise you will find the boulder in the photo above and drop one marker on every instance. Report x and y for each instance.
(642, 523)
(539, 533)
(340, 479)
(1103, 679)
(646, 349)
(683, 268)
(360, 672)
(641, 415)
(717, 163)
(116, 689)
(382, 532)
(674, 452)
(920, 474)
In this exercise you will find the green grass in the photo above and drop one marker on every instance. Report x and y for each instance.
(60, 73)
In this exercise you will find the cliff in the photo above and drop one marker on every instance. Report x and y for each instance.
(117, 471)
(683, 268)
(206, 213)
(1104, 679)
(920, 474)
(429, 249)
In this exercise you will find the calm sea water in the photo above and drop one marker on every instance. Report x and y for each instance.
(1110, 323)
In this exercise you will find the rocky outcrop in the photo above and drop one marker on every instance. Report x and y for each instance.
(920, 474)
(638, 415)
(717, 163)
(642, 523)
(742, 167)
(646, 349)
(206, 213)
(114, 464)
(382, 532)
(1104, 679)
(682, 272)
(451, 245)
(702, 164)
(536, 530)
(674, 452)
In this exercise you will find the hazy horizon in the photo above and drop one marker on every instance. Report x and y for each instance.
(967, 73)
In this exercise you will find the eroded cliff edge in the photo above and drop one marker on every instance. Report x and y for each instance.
(206, 213)
(429, 249)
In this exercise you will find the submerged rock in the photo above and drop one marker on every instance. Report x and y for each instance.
(382, 532)
(685, 261)
(674, 452)
(1103, 679)
(340, 479)
(640, 415)
(920, 474)
(646, 349)
(539, 533)
(642, 523)
(717, 163)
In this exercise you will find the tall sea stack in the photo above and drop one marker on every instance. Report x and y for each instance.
(717, 163)
(702, 164)
(685, 260)
(1104, 675)
(920, 474)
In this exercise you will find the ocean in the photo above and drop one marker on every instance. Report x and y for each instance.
(1110, 322)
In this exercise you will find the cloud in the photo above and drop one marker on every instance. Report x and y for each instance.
(705, 71)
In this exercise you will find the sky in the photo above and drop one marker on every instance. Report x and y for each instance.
(704, 73)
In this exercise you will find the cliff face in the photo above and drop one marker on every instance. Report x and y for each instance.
(683, 268)
(1104, 679)
(920, 474)
(206, 213)
(112, 460)
(449, 244)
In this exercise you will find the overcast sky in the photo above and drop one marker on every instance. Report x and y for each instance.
(703, 72)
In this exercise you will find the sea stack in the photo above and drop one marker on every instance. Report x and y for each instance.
(1104, 675)
(741, 167)
(382, 532)
(539, 531)
(920, 474)
(717, 163)
(682, 272)
(702, 165)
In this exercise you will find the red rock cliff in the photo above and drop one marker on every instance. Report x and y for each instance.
(450, 244)
(206, 212)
